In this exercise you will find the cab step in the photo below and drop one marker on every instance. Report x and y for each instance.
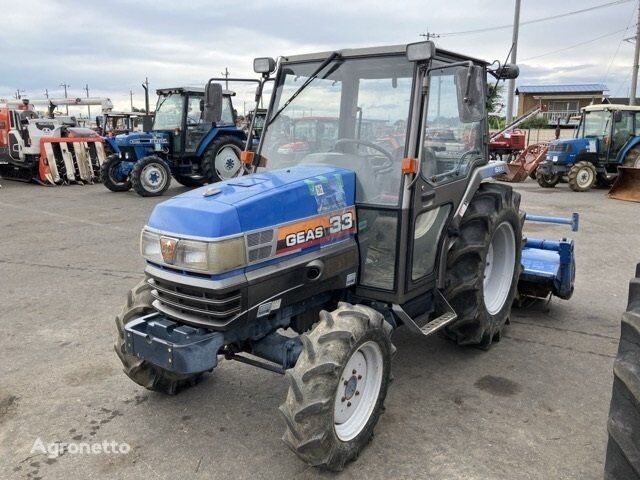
(421, 324)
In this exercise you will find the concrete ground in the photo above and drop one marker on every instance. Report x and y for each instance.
(533, 407)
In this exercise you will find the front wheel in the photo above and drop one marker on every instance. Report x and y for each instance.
(140, 371)
(151, 176)
(582, 177)
(112, 176)
(546, 180)
(338, 386)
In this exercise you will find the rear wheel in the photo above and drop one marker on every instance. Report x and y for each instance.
(582, 176)
(547, 181)
(221, 161)
(623, 449)
(483, 266)
(190, 181)
(632, 159)
(142, 372)
(151, 176)
(111, 176)
(338, 386)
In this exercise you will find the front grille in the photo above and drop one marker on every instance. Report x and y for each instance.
(193, 304)
(127, 150)
(260, 245)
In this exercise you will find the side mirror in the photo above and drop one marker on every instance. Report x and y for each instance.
(212, 109)
(470, 87)
(617, 116)
(508, 71)
(420, 51)
(202, 105)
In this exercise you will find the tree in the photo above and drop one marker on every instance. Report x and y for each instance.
(494, 97)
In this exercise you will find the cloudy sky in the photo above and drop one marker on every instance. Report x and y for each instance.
(112, 45)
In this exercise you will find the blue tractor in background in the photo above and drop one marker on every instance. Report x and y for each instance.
(193, 138)
(607, 137)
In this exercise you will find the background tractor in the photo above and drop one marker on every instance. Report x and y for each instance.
(192, 139)
(341, 246)
(111, 124)
(607, 137)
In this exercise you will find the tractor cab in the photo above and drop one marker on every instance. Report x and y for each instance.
(327, 111)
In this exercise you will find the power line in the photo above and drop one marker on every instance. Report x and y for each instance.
(529, 22)
(606, 75)
(575, 45)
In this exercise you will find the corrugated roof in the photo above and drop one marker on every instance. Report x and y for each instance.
(578, 88)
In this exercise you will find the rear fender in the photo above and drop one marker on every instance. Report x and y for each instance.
(215, 132)
(633, 141)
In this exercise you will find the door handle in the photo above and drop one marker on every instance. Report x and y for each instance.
(427, 196)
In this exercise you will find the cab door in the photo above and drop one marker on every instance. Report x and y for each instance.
(451, 143)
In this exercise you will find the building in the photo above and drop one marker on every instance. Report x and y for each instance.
(561, 101)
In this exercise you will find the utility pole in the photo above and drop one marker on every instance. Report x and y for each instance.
(226, 76)
(511, 88)
(18, 93)
(636, 57)
(65, 94)
(131, 97)
(145, 85)
(46, 92)
(86, 88)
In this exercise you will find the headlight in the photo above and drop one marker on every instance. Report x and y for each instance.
(213, 257)
(150, 246)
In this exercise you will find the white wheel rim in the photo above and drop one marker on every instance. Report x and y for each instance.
(227, 162)
(499, 268)
(358, 392)
(153, 177)
(584, 177)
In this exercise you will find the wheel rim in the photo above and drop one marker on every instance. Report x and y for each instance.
(153, 177)
(227, 162)
(499, 268)
(584, 178)
(358, 392)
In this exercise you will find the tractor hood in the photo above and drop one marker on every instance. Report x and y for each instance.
(572, 145)
(256, 201)
(137, 139)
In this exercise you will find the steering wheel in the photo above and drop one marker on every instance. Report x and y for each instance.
(384, 167)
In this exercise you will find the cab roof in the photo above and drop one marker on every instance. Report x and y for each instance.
(611, 106)
(381, 50)
(189, 90)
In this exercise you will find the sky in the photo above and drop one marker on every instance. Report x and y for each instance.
(113, 45)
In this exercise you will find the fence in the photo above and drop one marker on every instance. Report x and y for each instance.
(537, 135)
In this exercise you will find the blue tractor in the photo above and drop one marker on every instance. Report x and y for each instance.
(607, 137)
(341, 246)
(193, 138)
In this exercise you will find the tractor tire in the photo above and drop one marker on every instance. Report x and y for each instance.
(483, 266)
(108, 179)
(221, 160)
(140, 371)
(582, 176)
(151, 176)
(632, 158)
(532, 174)
(547, 181)
(623, 448)
(320, 427)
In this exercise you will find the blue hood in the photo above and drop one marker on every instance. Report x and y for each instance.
(135, 139)
(256, 201)
(570, 145)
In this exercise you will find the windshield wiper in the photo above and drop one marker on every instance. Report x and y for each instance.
(311, 78)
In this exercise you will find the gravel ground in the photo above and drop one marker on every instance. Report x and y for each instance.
(533, 407)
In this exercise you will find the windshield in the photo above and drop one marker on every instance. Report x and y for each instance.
(596, 124)
(169, 112)
(353, 115)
